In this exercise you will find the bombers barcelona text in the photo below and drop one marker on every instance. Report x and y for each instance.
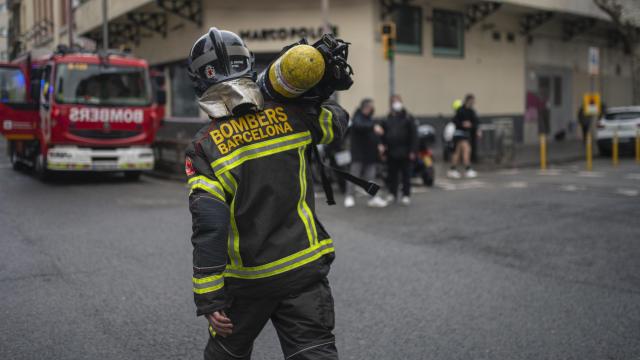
(250, 128)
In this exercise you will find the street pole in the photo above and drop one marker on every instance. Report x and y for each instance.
(105, 26)
(326, 25)
(70, 22)
(543, 151)
(592, 124)
(392, 77)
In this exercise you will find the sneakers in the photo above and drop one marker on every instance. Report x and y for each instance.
(377, 202)
(349, 201)
(453, 174)
(470, 173)
(390, 199)
(406, 201)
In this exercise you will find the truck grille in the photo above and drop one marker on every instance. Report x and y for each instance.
(100, 134)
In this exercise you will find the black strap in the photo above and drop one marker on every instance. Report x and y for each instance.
(370, 187)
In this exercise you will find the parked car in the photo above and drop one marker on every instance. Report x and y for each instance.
(624, 120)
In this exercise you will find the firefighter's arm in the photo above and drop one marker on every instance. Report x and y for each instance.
(328, 122)
(210, 224)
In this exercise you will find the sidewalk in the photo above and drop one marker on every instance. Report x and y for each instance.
(529, 155)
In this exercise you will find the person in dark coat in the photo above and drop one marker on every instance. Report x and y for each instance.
(466, 122)
(365, 141)
(401, 142)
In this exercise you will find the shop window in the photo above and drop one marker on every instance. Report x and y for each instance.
(448, 33)
(184, 102)
(408, 20)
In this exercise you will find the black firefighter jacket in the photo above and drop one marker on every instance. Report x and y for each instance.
(255, 229)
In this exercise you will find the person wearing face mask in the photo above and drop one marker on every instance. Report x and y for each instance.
(365, 140)
(401, 143)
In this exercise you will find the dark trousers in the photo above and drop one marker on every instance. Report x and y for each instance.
(396, 168)
(304, 323)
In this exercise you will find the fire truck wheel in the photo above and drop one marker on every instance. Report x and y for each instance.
(13, 158)
(132, 175)
(41, 168)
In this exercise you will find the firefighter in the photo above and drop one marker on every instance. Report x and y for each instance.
(259, 251)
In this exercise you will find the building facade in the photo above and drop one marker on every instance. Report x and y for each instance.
(526, 60)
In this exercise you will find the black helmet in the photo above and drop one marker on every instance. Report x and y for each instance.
(219, 56)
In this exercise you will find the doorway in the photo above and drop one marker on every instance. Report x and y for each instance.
(551, 88)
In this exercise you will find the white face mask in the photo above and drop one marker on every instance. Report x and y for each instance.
(397, 106)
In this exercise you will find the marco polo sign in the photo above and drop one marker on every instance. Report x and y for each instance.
(285, 33)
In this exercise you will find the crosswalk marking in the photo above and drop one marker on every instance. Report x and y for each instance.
(572, 187)
(517, 185)
(550, 172)
(628, 192)
(590, 174)
(633, 176)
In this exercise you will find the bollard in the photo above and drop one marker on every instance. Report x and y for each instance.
(638, 146)
(589, 153)
(614, 148)
(543, 152)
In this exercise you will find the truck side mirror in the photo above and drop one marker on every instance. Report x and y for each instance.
(161, 97)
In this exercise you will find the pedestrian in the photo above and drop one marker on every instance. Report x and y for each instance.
(400, 139)
(466, 122)
(365, 138)
(259, 250)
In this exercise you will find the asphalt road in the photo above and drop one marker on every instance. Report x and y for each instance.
(517, 264)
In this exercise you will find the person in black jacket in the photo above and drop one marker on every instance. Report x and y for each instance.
(365, 140)
(401, 141)
(466, 122)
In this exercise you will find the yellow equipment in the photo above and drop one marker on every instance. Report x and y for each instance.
(296, 71)
(457, 103)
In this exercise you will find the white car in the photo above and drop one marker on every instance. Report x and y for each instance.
(624, 120)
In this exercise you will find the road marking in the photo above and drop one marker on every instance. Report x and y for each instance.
(446, 185)
(550, 172)
(517, 185)
(509, 172)
(590, 174)
(419, 190)
(571, 187)
(628, 192)
(5, 166)
(635, 176)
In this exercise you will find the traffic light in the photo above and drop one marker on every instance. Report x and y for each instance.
(388, 40)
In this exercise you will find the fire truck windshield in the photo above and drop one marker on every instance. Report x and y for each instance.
(102, 85)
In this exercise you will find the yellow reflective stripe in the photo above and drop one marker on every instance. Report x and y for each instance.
(233, 242)
(210, 186)
(288, 263)
(208, 284)
(208, 289)
(208, 279)
(211, 331)
(326, 125)
(303, 209)
(260, 149)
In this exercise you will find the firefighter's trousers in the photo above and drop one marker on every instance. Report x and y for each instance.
(304, 323)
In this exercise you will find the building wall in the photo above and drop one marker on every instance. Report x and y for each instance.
(492, 70)
(287, 13)
(4, 29)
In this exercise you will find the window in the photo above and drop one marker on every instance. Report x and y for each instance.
(12, 86)
(408, 21)
(184, 102)
(448, 33)
(92, 84)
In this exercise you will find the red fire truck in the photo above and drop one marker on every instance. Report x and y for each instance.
(80, 111)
